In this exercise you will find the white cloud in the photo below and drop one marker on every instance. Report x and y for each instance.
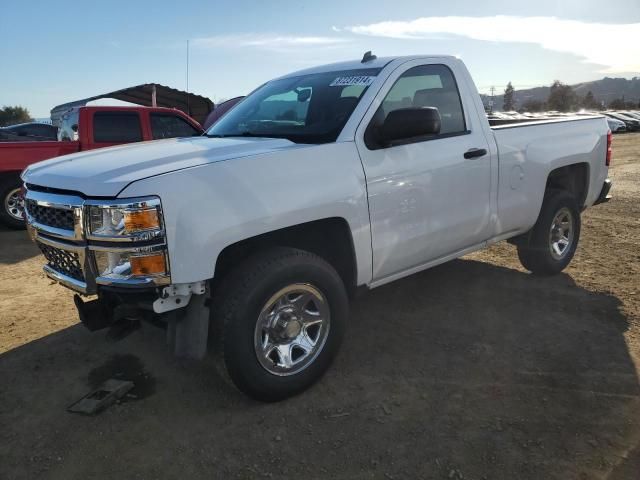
(266, 41)
(614, 46)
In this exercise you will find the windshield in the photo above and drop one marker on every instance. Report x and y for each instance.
(306, 109)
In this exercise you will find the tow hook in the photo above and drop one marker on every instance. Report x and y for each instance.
(93, 314)
(178, 296)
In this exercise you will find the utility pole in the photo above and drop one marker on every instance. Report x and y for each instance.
(492, 90)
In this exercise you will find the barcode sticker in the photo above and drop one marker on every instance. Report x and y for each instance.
(363, 80)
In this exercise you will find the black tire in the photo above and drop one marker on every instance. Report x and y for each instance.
(236, 310)
(536, 254)
(7, 186)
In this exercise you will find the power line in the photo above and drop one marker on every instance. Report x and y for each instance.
(492, 89)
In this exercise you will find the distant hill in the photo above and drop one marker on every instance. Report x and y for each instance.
(603, 90)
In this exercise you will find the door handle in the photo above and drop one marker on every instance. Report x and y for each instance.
(474, 153)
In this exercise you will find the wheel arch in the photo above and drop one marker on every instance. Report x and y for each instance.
(8, 175)
(573, 178)
(329, 238)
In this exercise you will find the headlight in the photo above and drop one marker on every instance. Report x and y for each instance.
(130, 264)
(140, 220)
(127, 240)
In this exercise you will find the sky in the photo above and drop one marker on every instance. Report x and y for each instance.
(55, 52)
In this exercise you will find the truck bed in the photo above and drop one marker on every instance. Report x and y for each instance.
(497, 123)
(527, 151)
(16, 156)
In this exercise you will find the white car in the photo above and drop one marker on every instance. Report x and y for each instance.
(616, 126)
(319, 183)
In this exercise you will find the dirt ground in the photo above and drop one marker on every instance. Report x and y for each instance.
(471, 370)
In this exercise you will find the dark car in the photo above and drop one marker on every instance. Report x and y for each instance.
(29, 132)
(219, 111)
(633, 125)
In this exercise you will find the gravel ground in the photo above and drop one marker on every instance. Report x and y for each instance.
(474, 369)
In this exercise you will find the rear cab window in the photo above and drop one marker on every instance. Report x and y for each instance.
(167, 125)
(116, 127)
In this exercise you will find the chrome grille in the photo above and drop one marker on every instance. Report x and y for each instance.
(50, 216)
(63, 261)
(55, 221)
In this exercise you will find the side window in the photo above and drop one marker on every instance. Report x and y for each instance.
(427, 86)
(292, 106)
(352, 91)
(170, 126)
(115, 127)
(21, 131)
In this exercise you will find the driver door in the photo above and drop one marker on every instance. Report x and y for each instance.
(426, 200)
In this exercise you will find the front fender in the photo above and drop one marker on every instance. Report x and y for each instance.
(212, 206)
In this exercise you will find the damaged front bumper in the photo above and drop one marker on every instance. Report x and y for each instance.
(110, 265)
(82, 260)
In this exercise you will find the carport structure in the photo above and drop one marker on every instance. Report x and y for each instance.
(149, 95)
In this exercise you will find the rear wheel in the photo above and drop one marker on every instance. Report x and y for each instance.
(279, 320)
(554, 238)
(11, 209)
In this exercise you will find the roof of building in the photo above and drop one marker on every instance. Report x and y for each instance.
(194, 105)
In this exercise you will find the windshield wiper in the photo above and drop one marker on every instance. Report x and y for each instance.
(292, 137)
(246, 133)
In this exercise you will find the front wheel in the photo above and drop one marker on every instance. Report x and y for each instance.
(554, 238)
(11, 208)
(280, 318)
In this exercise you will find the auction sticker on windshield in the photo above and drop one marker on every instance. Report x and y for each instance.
(362, 80)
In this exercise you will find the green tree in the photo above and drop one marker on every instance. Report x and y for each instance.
(589, 102)
(617, 104)
(13, 115)
(508, 103)
(561, 97)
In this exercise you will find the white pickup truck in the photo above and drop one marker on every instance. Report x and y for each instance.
(248, 241)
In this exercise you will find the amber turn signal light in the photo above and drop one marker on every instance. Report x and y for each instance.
(148, 265)
(141, 220)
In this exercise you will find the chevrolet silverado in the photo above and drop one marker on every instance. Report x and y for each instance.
(248, 242)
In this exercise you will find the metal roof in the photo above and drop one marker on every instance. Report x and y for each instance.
(194, 105)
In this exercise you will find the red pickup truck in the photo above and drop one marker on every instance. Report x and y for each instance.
(85, 128)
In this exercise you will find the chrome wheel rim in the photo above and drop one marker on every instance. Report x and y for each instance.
(561, 234)
(292, 329)
(13, 204)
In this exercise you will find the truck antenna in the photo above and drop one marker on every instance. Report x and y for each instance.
(367, 57)
(188, 106)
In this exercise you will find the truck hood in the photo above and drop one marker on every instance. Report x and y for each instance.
(105, 172)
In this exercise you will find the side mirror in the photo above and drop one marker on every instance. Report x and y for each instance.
(406, 123)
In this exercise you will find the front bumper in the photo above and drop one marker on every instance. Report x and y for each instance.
(604, 196)
(58, 225)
